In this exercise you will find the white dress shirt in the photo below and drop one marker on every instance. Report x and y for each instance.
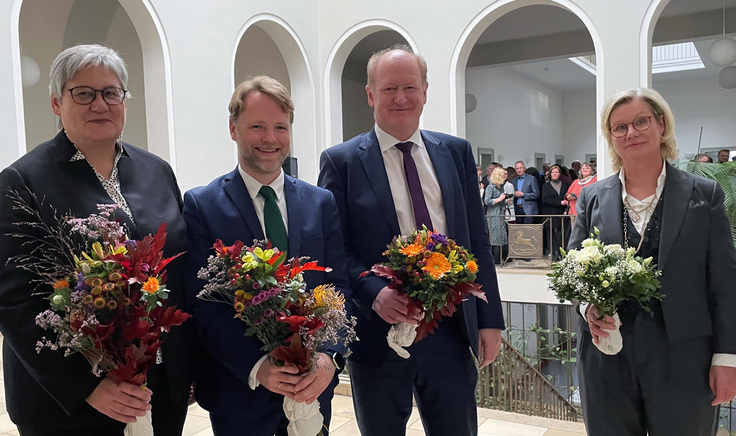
(393, 159)
(253, 186)
(719, 359)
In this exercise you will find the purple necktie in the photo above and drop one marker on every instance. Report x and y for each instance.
(421, 213)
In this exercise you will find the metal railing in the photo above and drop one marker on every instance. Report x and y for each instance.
(534, 373)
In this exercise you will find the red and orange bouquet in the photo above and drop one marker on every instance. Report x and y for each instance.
(435, 272)
(109, 298)
(269, 294)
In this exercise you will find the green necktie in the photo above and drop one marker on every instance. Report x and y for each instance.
(275, 230)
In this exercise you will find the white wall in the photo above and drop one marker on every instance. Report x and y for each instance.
(516, 116)
(701, 103)
(579, 118)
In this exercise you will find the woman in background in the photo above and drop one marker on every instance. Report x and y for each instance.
(587, 177)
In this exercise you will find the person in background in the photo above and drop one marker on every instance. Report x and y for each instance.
(495, 200)
(526, 194)
(575, 169)
(587, 177)
(677, 361)
(723, 155)
(482, 188)
(86, 164)
(704, 158)
(554, 203)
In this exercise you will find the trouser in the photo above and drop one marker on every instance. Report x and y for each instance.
(650, 386)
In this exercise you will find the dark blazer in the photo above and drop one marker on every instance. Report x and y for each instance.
(551, 199)
(530, 188)
(224, 210)
(696, 253)
(48, 381)
(354, 171)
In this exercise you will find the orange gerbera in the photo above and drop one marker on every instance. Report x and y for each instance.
(472, 266)
(61, 284)
(437, 265)
(411, 250)
(151, 285)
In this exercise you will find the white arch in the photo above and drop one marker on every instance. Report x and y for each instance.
(648, 24)
(304, 130)
(156, 78)
(479, 24)
(20, 127)
(335, 64)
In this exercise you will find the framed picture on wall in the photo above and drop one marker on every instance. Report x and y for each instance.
(485, 157)
(559, 159)
(539, 159)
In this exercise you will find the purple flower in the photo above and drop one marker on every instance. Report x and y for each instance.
(430, 246)
(256, 285)
(258, 320)
(268, 312)
(132, 243)
(439, 238)
(80, 283)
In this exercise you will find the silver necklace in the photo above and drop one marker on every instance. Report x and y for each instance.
(635, 214)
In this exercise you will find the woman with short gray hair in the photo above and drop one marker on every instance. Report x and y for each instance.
(87, 164)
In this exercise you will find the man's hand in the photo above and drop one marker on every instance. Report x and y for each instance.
(490, 344)
(722, 380)
(315, 381)
(124, 402)
(391, 305)
(279, 379)
(518, 194)
(598, 326)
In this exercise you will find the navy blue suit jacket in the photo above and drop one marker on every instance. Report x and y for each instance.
(224, 210)
(530, 188)
(354, 171)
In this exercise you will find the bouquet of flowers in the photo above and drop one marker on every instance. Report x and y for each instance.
(437, 275)
(269, 294)
(109, 299)
(605, 275)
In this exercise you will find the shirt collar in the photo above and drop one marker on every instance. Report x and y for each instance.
(253, 185)
(119, 151)
(660, 181)
(386, 141)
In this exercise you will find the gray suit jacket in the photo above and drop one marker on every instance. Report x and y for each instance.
(696, 253)
(530, 200)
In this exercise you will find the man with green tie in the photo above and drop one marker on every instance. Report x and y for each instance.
(241, 388)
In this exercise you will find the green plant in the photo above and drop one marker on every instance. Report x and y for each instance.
(725, 175)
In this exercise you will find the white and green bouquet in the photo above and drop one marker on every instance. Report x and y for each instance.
(605, 276)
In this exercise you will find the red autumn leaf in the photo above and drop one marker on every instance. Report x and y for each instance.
(296, 321)
(293, 352)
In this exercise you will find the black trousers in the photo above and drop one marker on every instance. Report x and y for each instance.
(651, 386)
(440, 374)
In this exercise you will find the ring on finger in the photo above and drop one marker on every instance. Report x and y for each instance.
(279, 387)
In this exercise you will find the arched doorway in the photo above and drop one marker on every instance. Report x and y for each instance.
(46, 27)
(679, 41)
(533, 84)
(268, 45)
(346, 106)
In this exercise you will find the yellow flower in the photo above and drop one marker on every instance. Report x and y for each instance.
(327, 296)
(472, 266)
(249, 262)
(151, 285)
(239, 307)
(264, 255)
(411, 250)
(457, 268)
(248, 296)
(437, 266)
(239, 293)
(100, 302)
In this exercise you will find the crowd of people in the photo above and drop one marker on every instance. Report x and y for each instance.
(525, 196)
(383, 183)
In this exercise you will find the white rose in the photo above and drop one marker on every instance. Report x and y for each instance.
(611, 271)
(635, 266)
(590, 242)
(590, 255)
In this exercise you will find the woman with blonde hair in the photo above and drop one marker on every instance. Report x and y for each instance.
(495, 200)
(678, 356)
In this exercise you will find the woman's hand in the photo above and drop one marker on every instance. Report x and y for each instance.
(598, 326)
(563, 202)
(499, 199)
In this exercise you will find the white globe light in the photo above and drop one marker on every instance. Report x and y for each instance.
(723, 52)
(470, 103)
(727, 77)
(29, 71)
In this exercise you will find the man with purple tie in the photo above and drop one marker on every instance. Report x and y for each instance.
(387, 182)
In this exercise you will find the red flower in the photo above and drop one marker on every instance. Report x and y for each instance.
(293, 352)
(233, 251)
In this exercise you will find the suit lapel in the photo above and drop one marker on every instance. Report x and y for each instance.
(611, 211)
(677, 192)
(443, 168)
(370, 156)
(238, 194)
(294, 210)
